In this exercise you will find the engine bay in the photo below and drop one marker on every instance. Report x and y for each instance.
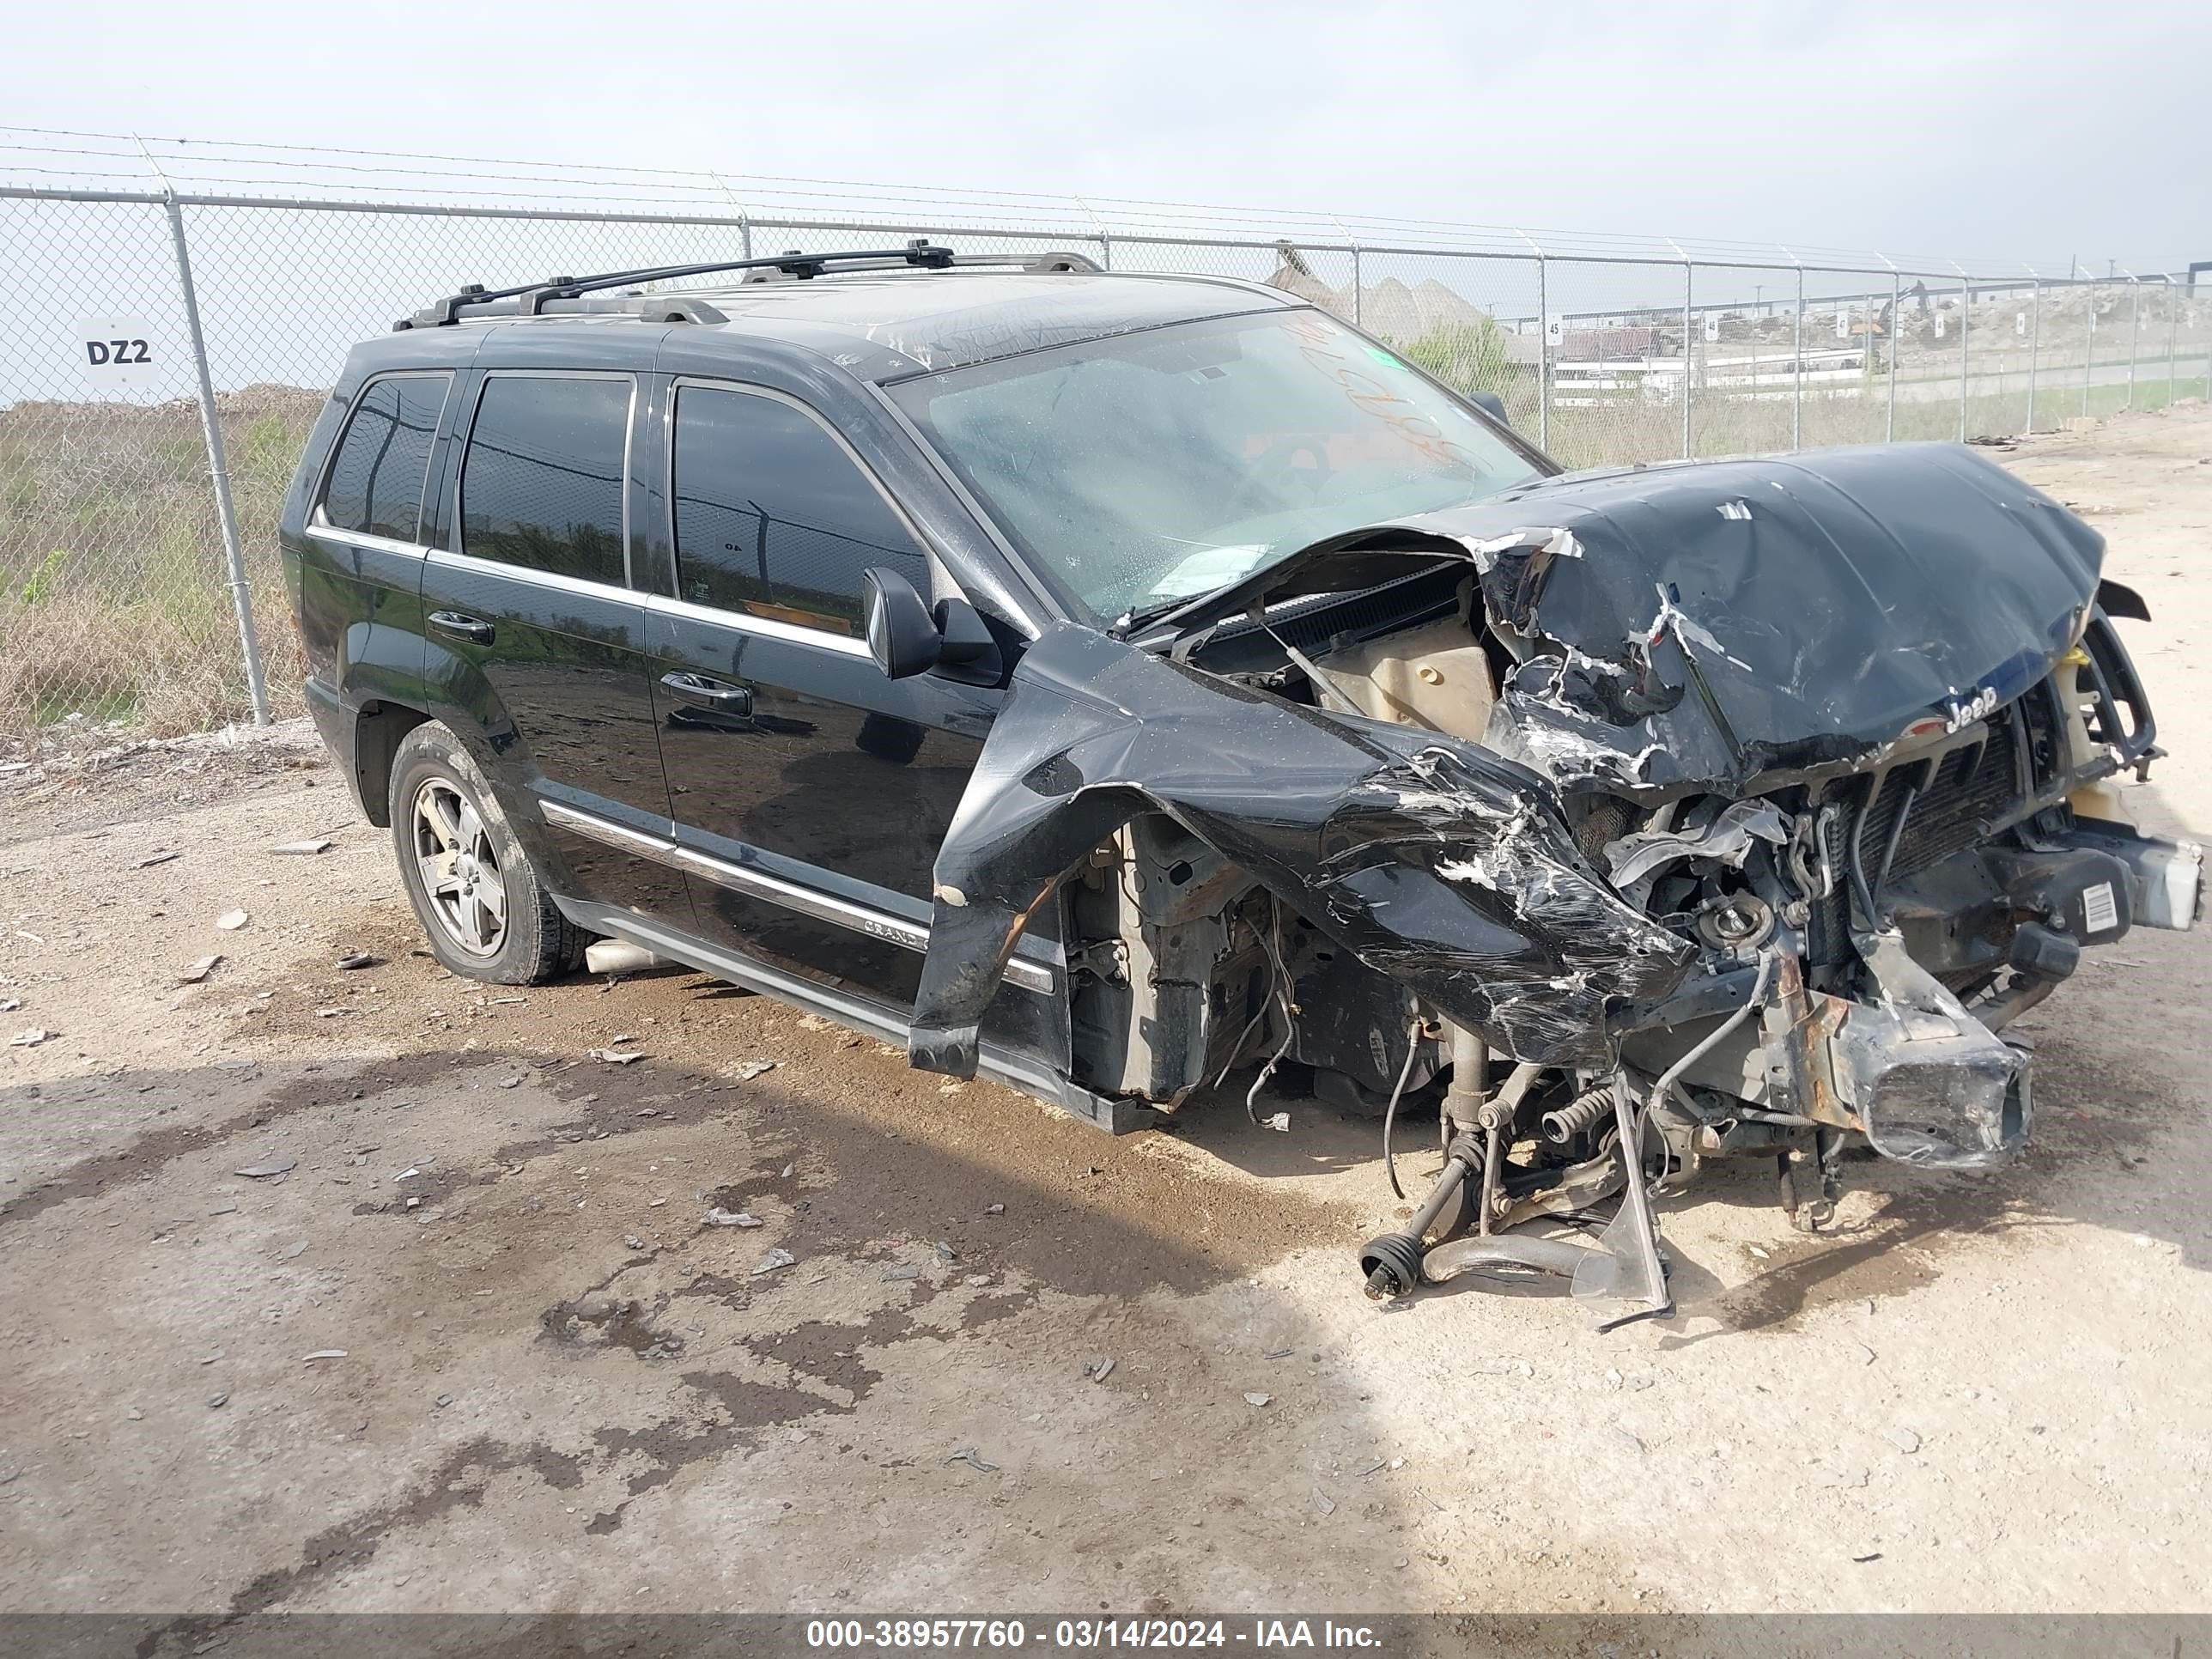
(1900, 917)
(1608, 840)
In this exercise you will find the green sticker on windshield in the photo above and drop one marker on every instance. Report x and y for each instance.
(1384, 357)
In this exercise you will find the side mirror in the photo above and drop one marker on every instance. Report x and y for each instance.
(906, 639)
(903, 637)
(1491, 405)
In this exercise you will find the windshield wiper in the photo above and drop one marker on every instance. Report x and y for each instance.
(1131, 622)
(1143, 617)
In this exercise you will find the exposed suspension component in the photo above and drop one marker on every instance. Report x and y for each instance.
(1562, 1124)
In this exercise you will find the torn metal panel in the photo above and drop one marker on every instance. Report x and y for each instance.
(1914, 1070)
(1432, 860)
(1727, 838)
(1840, 597)
(1930, 1083)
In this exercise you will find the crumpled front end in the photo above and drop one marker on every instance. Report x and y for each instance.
(1441, 866)
(1625, 821)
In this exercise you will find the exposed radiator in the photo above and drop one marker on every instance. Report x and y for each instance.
(1974, 784)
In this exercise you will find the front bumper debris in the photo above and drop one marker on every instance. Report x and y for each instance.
(1922, 1079)
(2166, 876)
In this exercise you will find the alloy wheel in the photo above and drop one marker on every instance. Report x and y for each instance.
(460, 868)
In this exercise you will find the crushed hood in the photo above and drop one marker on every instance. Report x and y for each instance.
(1436, 862)
(1699, 624)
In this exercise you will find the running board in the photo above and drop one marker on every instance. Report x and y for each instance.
(863, 1014)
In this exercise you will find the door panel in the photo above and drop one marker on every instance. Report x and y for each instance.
(789, 755)
(541, 649)
(829, 775)
(361, 563)
(820, 814)
(558, 698)
(826, 762)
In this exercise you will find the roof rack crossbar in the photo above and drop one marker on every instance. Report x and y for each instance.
(794, 262)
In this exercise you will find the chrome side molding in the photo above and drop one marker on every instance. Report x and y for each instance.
(1029, 974)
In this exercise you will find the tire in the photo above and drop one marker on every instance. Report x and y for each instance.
(485, 913)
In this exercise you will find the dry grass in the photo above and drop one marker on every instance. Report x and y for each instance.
(114, 601)
(77, 654)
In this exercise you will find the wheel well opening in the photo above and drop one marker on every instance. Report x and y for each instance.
(377, 734)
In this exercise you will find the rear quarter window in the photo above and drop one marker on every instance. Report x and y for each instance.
(377, 472)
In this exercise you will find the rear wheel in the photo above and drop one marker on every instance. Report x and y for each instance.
(486, 913)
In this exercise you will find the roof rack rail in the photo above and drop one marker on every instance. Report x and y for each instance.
(532, 297)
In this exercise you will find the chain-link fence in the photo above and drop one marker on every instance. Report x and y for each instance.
(163, 353)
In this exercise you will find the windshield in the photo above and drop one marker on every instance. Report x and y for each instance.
(1158, 466)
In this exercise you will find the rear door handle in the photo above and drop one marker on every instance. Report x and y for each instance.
(475, 629)
(700, 692)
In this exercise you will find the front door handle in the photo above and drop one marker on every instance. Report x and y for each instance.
(719, 695)
(475, 629)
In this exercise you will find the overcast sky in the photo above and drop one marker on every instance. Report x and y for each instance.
(2015, 131)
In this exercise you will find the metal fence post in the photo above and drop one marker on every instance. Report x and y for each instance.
(1098, 227)
(1866, 346)
(1358, 290)
(1543, 360)
(2207, 344)
(2088, 350)
(1966, 325)
(1797, 365)
(2034, 330)
(2172, 333)
(745, 218)
(1688, 282)
(2135, 330)
(241, 599)
(1896, 333)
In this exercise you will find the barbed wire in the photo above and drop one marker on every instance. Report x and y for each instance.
(61, 158)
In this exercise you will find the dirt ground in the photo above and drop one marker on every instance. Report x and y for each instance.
(476, 1347)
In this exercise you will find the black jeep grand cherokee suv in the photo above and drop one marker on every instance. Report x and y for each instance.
(1102, 681)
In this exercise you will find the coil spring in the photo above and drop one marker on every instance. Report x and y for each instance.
(1579, 1114)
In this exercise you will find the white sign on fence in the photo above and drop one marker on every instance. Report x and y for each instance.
(2020, 324)
(1712, 325)
(1939, 324)
(118, 354)
(1842, 323)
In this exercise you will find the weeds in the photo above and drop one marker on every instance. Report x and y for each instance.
(114, 594)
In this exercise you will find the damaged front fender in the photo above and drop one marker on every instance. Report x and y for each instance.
(1433, 860)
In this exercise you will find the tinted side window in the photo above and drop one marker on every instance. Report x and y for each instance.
(376, 478)
(542, 482)
(772, 516)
